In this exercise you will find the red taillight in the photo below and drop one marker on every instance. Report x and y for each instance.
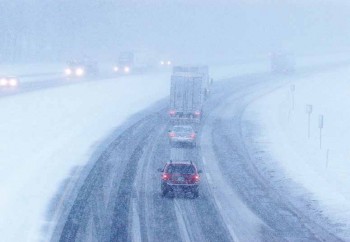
(165, 176)
(197, 113)
(196, 178)
(172, 134)
(193, 135)
(172, 112)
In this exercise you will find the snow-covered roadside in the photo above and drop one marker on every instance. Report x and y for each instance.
(284, 131)
(45, 134)
(30, 69)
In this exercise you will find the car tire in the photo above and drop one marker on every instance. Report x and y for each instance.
(164, 192)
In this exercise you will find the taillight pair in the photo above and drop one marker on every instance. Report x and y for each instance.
(172, 112)
(172, 134)
(197, 113)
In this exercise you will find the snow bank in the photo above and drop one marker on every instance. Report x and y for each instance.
(300, 157)
(45, 134)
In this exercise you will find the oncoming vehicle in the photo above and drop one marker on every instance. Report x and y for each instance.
(182, 134)
(180, 176)
(125, 63)
(136, 61)
(9, 82)
(80, 69)
(165, 63)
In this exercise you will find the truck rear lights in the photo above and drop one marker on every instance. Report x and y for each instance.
(172, 134)
(193, 135)
(172, 112)
(197, 113)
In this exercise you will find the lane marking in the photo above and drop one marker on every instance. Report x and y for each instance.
(136, 228)
(182, 225)
(210, 181)
(228, 222)
(204, 161)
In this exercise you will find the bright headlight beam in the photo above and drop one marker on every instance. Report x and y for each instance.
(68, 71)
(79, 71)
(13, 82)
(3, 82)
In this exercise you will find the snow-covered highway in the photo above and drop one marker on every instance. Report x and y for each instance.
(96, 135)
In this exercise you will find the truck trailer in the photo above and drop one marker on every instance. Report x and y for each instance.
(188, 91)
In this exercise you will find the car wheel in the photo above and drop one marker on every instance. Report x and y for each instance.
(164, 192)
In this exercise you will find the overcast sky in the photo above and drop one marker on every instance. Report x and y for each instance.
(199, 29)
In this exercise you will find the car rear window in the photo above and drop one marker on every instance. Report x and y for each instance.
(181, 169)
(182, 129)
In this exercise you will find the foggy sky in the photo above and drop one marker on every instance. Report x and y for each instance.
(52, 29)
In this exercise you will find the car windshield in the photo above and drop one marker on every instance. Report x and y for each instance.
(180, 169)
(184, 129)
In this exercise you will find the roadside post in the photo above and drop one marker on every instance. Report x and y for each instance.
(292, 90)
(320, 126)
(308, 111)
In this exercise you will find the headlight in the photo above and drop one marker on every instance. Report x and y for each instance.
(3, 82)
(79, 72)
(68, 71)
(116, 69)
(126, 69)
(169, 63)
(13, 82)
(162, 62)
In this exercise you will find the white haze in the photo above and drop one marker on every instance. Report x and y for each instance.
(51, 30)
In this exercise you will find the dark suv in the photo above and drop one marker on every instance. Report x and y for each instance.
(180, 176)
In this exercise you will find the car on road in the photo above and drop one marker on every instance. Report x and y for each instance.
(9, 82)
(180, 176)
(182, 134)
(76, 69)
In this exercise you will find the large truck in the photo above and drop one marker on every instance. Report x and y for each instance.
(134, 62)
(202, 70)
(188, 91)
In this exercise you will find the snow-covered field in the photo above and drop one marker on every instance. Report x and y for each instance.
(300, 158)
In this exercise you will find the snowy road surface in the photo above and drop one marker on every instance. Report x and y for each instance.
(44, 139)
(120, 198)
